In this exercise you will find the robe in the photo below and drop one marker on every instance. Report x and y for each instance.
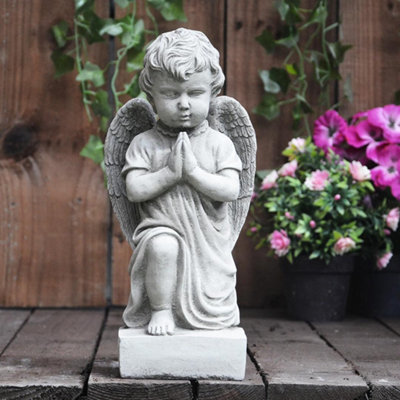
(205, 296)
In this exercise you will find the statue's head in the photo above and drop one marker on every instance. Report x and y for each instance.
(180, 54)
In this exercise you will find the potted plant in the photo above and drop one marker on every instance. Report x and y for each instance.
(312, 211)
(372, 138)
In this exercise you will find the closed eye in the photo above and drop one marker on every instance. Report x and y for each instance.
(170, 94)
(197, 92)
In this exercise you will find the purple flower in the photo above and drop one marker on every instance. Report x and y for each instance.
(387, 118)
(362, 134)
(329, 130)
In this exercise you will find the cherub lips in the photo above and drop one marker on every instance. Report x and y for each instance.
(184, 116)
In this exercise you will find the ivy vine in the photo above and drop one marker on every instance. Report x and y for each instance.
(99, 85)
(310, 56)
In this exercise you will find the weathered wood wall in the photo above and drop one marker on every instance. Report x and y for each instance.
(54, 212)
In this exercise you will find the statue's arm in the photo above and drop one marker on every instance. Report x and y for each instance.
(222, 186)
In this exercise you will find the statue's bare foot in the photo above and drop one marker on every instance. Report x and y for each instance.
(161, 323)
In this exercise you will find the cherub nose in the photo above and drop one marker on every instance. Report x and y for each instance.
(183, 102)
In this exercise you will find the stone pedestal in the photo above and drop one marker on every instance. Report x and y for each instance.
(193, 354)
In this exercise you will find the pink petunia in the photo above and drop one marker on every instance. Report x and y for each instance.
(387, 118)
(288, 169)
(344, 245)
(392, 219)
(384, 153)
(329, 130)
(363, 134)
(269, 181)
(384, 176)
(359, 172)
(317, 180)
(384, 260)
(280, 242)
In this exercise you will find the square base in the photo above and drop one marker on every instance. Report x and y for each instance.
(192, 354)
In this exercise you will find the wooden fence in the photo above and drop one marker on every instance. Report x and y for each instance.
(59, 245)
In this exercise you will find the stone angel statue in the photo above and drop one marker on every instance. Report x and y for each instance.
(180, 179)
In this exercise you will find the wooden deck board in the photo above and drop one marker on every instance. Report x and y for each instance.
(105, 382)
(10, 322)
(373, 349)
(48, 357)
(297, 363)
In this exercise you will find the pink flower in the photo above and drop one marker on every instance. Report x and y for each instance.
(317, 180)
(387, 232)
(297, 144)
(329, 130)
(289, 216)
(280, 242)
(363, 134)
(337, 197)
(288, 169)
(392, 219)
(253, 229)
(313, 224)
(387, 118)
(383, 261)
(344, 245)
(359, 172)
(269, 181)
(254, 195)
(384, 153)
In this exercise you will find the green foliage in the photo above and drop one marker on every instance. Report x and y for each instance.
(131, 36)
(310, 57)
(315, 218)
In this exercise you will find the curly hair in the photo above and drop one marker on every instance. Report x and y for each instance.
(180, 53)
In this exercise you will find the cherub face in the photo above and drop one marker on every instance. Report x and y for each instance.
(182, 104)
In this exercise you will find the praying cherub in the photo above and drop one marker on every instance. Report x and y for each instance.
(183, 188)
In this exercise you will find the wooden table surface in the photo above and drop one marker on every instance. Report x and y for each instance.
(73, 353)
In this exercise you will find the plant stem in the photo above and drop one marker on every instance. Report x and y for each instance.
(79, 68)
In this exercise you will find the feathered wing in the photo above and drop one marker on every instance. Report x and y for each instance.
(134, 117)
(228, 116)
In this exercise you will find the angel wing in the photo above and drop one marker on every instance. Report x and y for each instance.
(134, 117)
(227, 115)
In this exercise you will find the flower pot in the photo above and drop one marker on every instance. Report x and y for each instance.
(315, 291)
(376, 293)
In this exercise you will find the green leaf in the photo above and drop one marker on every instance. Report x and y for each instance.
(282, 8)
(63, 63)
(315, 254)
(134, 59)
(338, 50)
(170, 9)
(100, 104)
(60, 31)
(268, 107)
(133, 88)
(94, 149)
(267, 40)
(280, 76)
(318, 15)
(133, 34)
(93, 73)
(291, 69)
(90, 25)
(397, 97)
(83, 5)
(270, 86)
(289, 38)
(112, 29)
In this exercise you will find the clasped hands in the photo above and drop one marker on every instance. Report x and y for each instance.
(182, 162)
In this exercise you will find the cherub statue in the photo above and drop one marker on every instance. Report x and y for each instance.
(180, 184)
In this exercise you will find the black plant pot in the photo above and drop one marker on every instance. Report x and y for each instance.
(316, 291)
(376, 293)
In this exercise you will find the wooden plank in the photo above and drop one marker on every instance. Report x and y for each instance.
(251, 388)
(392, 323)
(373, 350)
(296, 362)
(53, 205)
(48, 357)
(10, 322)
(372, 64)
(105, 382)
(208, 17)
